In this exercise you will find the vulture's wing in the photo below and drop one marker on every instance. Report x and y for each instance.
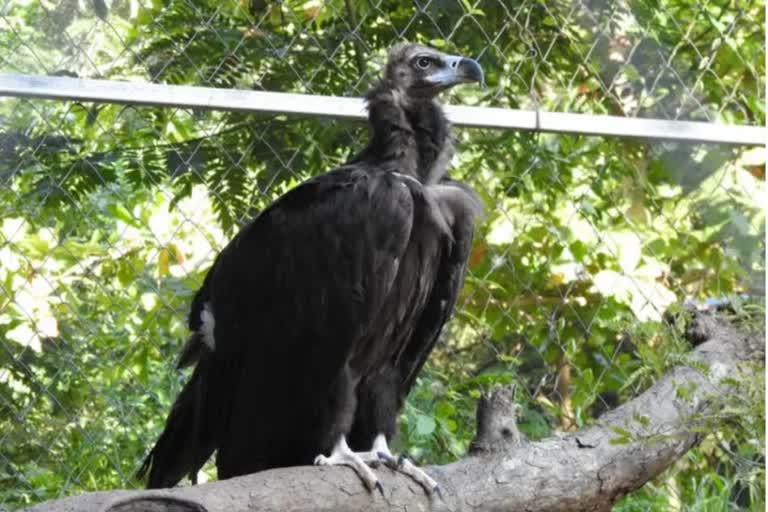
(459, 206)
(316, 265)
(291, 295)
(277, 315)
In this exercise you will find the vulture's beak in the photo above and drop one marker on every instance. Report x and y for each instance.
(457, 70)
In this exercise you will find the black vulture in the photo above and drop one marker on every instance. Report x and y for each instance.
(313, 322)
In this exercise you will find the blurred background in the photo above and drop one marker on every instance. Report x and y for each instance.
(110, 215)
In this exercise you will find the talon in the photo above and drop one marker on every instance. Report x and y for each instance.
(402, 464)
(380, 487)
(389, 459)
(342, 455)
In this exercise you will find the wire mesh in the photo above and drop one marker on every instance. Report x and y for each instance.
(111, 214)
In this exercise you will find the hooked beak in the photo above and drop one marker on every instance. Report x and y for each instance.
(457, 70)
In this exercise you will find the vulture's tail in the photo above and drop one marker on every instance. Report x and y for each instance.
(187, 440)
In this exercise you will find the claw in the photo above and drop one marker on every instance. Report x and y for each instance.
(401, 464)
(388, 458)
(343, 456)
(407, 467)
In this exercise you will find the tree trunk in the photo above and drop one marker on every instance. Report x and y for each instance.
(585, 470)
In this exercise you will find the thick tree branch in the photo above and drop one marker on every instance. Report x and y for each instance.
(585, 470)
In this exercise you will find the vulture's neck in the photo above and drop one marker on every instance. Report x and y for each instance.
(411, 136)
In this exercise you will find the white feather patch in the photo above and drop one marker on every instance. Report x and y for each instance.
(206, 317)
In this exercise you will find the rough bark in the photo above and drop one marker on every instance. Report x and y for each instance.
(583, 470)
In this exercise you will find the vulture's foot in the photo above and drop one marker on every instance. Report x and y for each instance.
(343, 455)
(403, 465)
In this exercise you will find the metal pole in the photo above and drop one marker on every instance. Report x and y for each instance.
(141, 93)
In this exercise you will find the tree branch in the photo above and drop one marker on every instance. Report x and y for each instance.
(585, 470)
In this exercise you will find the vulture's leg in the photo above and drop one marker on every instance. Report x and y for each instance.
(373, 458)
(343, 455)
(402, 465)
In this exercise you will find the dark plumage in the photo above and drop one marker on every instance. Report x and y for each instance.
(313, 322)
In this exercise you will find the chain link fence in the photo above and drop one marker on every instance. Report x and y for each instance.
(110, 214)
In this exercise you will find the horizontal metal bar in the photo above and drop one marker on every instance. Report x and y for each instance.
(184, 96)
(663, 129)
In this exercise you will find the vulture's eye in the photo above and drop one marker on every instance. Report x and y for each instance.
(423, 62)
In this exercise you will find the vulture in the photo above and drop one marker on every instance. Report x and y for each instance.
(313, 322)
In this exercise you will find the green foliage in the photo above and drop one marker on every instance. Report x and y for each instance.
(110, 215)
(727, 470)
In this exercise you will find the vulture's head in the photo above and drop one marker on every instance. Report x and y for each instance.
(422, 72)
